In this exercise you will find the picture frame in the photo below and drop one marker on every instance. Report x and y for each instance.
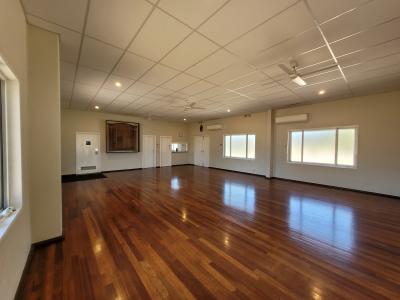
(122, 137)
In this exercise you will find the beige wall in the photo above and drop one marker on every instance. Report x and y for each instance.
(84, 121)
(45, 134)
(16, 240)
(378, 118)
(256, 124)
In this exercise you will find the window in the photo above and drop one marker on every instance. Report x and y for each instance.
(240, 146)
(3, 202)
(179, 147)
(330, 146)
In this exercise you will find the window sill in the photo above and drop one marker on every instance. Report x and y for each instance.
(240, 158)
(5, 223)
(322, 165)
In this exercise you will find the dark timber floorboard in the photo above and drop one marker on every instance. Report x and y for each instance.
(189, 232)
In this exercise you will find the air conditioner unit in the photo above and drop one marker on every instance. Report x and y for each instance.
(215, 127)
(291, 119)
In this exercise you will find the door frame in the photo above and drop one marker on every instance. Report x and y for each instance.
(77, 169)
(194, 149)
(206, 160)
(170, 152)
(154, 150)
(203, 156)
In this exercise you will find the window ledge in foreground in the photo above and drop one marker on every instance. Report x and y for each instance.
(7, 217)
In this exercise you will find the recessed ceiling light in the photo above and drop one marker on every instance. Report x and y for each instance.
(321, 92)
(97, 107)
(184, 119)
(118, 84)
(228, 110)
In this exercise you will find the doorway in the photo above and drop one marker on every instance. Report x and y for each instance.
(87, 153)
(202, 151)
(165, 151)
(149, 151)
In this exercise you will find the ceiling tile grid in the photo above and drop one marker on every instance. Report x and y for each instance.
(98, 55)
(90, 77)
(133, 66)
(159, 35)
(238, 17)
(286, 25)
(116, 22)
(142, 56)
(189, 52)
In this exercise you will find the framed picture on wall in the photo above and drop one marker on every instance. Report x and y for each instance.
(122, 136)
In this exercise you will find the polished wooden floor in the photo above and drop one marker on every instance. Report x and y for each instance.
(189, 232)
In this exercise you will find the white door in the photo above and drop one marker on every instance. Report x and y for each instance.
(165, 151)
(87, 153)
(202, 151)
(206, 151)
(149, 151)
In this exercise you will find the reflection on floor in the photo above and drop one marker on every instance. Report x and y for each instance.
(335, 222)
(190, 232)
(240, 196)
(175, 185)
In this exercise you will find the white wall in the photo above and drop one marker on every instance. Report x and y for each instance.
(15, 242)
(257, 124)
(378, 118)
(45, 134)
(73, 121)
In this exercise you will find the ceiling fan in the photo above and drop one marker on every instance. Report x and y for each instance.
(189, 106)
(298, 78)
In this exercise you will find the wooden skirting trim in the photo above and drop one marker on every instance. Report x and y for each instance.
(337, 187)
(49, 241)
(175, 166)
(110, 171)
(126, 170)
(21, 284)
(122, 170)
(272, 178)
(67, 175)
(237, 171)
(312, 183)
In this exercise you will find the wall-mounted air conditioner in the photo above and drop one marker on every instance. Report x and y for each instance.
(215, 127)
(291, 119)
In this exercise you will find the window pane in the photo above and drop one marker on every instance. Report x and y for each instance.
(295, 144)
(346, 144)
(238, 146)
(319, 146)
(177, 147)
(227, 145)
(251, 146)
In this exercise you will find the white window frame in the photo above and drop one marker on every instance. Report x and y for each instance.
(247, 136)
(11, 91)
(335, 165)
(177, 143)
(4, 151)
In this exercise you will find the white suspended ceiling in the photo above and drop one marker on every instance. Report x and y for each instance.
(221, 54)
